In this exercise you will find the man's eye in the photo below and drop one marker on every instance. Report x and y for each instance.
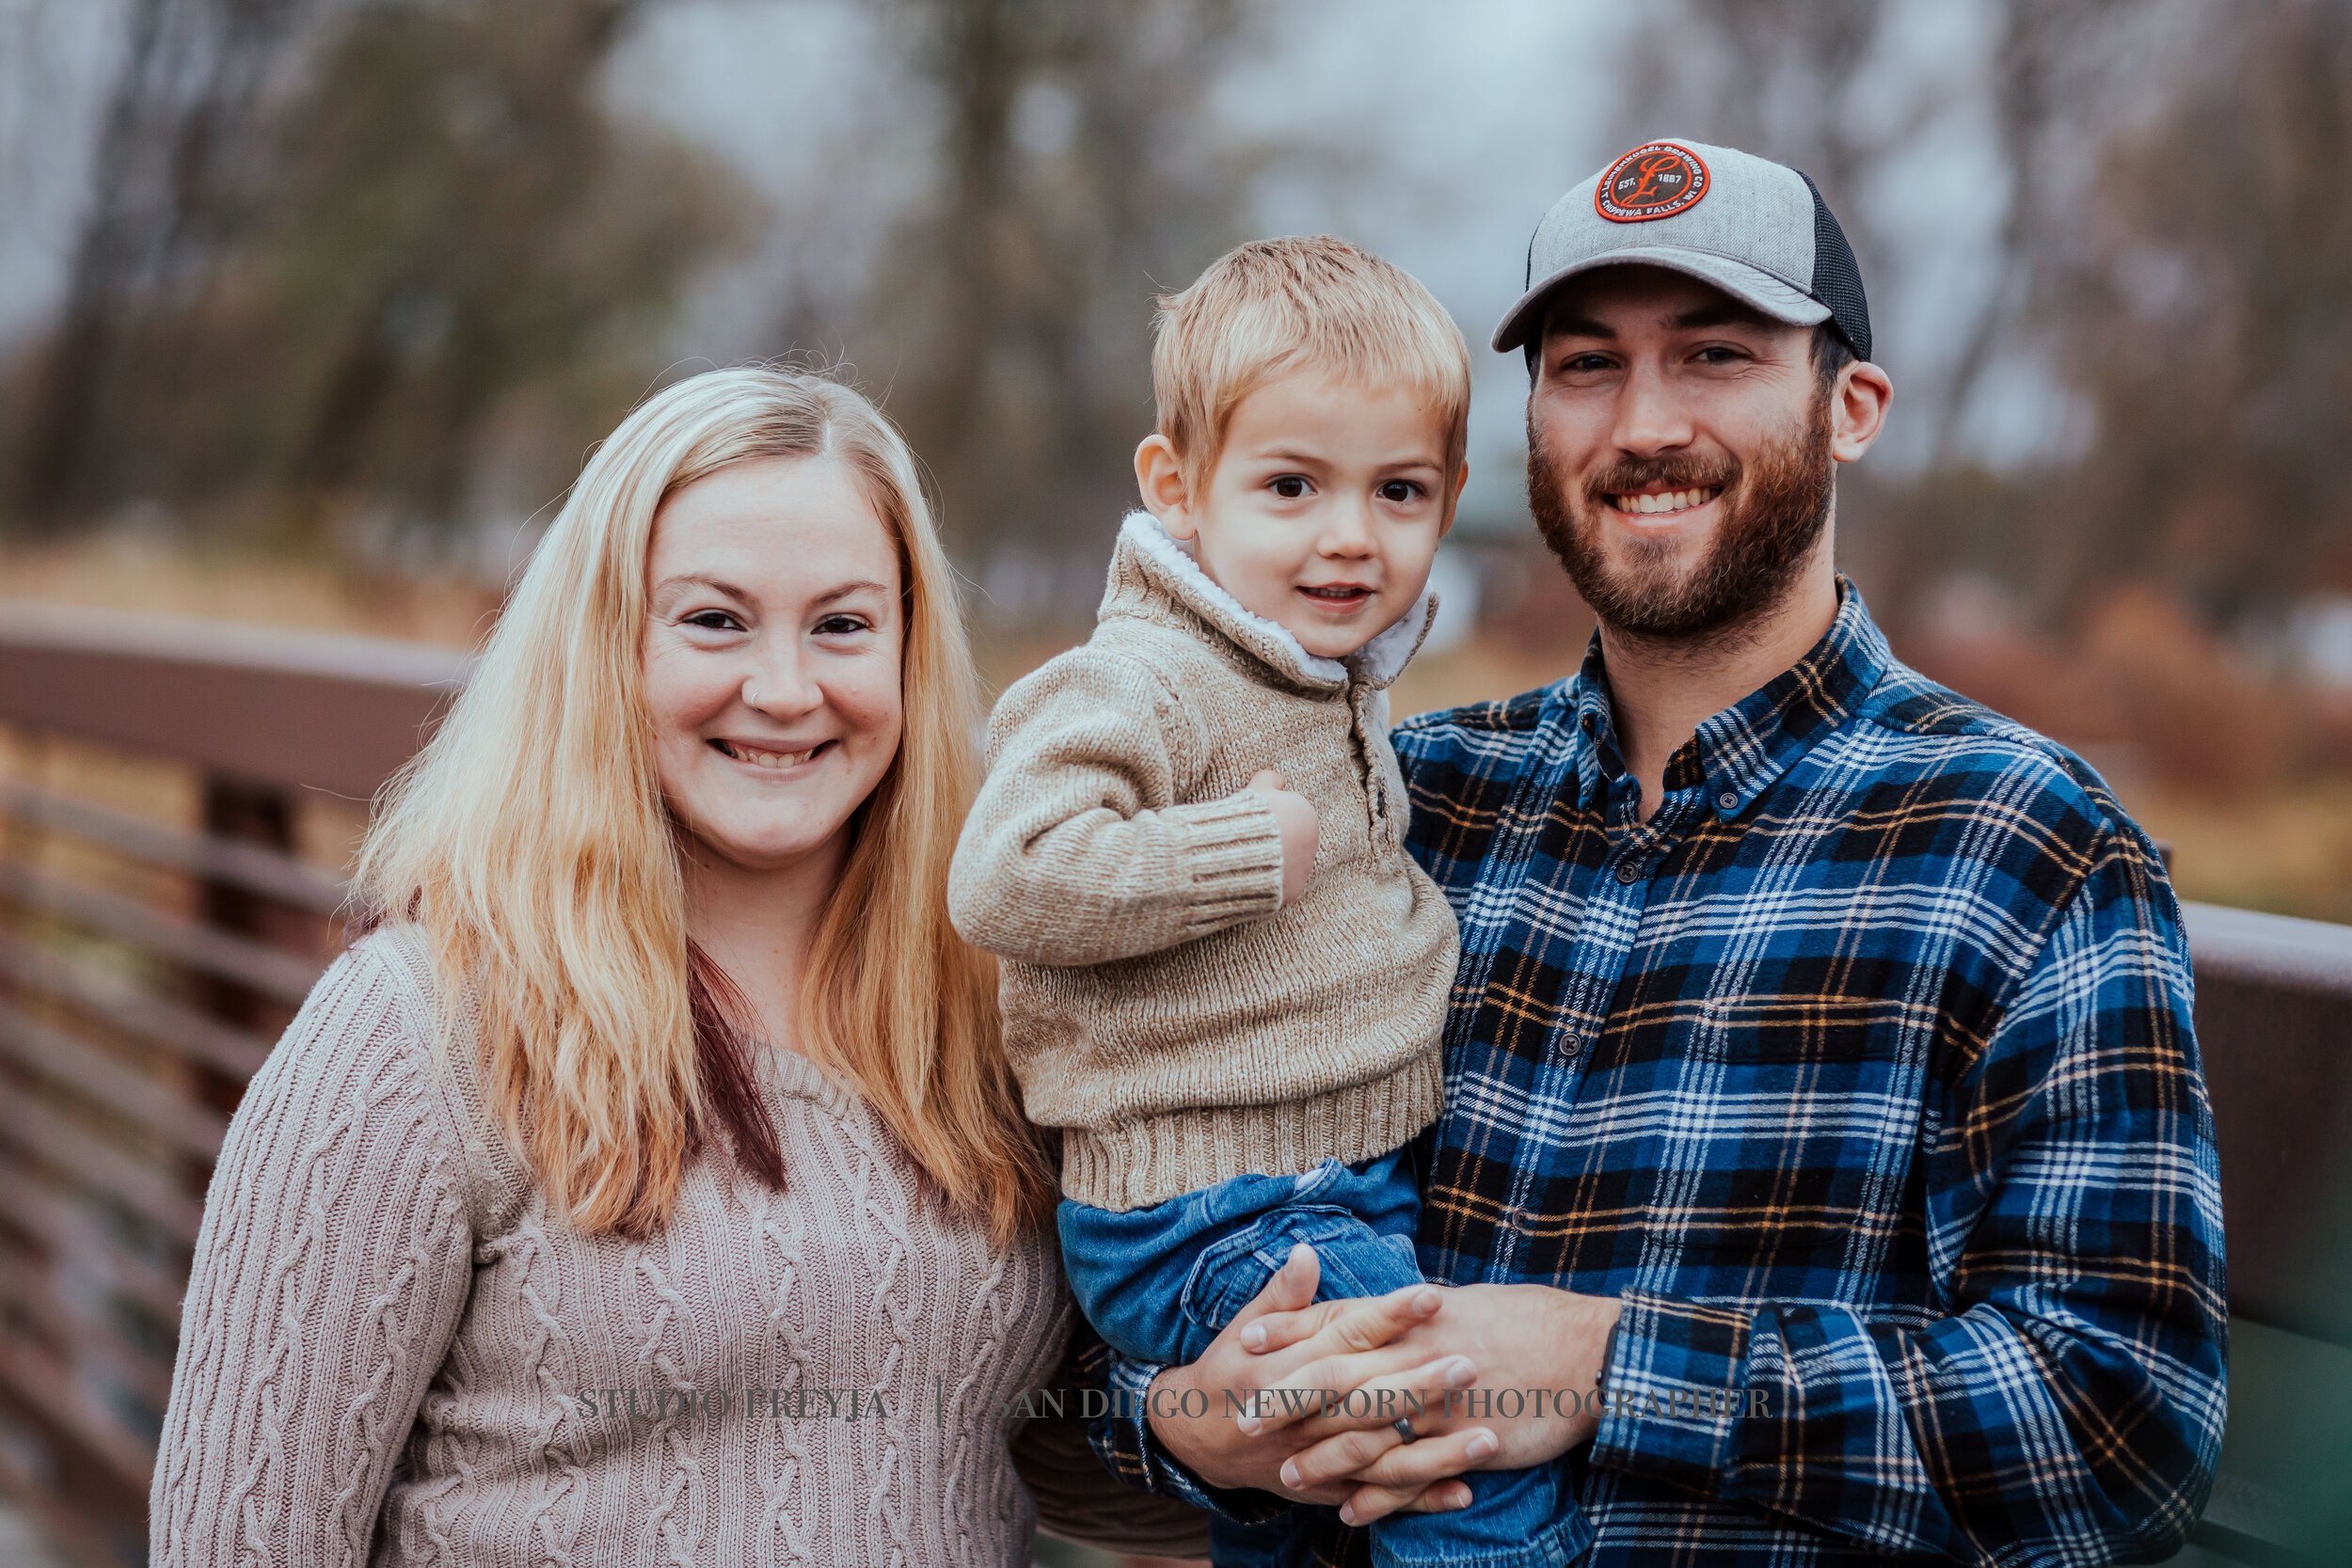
(1584, 364)
(1718, 355)
(1290, 487)
(1400, 491)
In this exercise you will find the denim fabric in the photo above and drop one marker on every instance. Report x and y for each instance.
(1159, 1283)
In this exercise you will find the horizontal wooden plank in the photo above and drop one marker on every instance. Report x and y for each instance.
(2274, 1027)
(37, 1380)
(271, 970)
(90, 1070)
(88, 1341)
(69, 1528)
(84, 1158)
(2250, 947)
(68, 1233)
(221, 859)
(295, 709)
(234, 1053)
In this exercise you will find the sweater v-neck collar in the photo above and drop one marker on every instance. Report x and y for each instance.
(795, 1076)
(1151, 561)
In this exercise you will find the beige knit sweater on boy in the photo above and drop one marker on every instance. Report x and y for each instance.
(1161, 1007)
(392, 1354)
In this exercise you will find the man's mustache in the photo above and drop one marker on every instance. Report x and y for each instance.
(1673, 473)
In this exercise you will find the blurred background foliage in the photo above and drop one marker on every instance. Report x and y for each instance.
(313, 307)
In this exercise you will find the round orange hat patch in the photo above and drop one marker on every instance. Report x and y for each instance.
(1654, 181)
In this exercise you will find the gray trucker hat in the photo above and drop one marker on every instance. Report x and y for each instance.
(1755, 230)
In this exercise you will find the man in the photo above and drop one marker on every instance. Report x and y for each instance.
(1819, 1077)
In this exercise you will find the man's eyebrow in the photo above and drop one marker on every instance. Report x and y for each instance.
(1578, 326)
(1721, 313)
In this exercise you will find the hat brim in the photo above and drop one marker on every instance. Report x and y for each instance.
(1750, 285)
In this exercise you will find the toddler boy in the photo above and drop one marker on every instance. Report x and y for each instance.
(1224, 977)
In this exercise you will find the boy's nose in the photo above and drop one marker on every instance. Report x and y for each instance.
(1348, 530)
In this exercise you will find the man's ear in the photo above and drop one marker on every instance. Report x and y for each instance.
(1857, 410)
(1166, 494)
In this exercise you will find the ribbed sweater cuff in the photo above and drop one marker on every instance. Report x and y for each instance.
(1149, 1162)
(1228, 860)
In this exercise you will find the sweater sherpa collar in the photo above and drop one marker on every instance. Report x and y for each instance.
(1150, 561)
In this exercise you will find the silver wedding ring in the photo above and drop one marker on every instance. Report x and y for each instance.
(1404, 1425)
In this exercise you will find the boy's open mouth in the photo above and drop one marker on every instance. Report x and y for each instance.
(1666, 500)
(742, 752)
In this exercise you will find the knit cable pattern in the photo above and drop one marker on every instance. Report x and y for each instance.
(387, 1337)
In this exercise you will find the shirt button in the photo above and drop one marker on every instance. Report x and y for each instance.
(1728, 799)
(1625, 872)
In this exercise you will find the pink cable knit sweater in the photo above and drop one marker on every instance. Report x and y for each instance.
(386, 1340)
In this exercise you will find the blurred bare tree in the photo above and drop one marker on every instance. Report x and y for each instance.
(1080, 172)
(2200, 303)
(291, 306)
(1776, 74)
(179, 120)
(2175, 255)
(349, 252)
(464, 224)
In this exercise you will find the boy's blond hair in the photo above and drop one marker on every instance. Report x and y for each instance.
(1302, 302)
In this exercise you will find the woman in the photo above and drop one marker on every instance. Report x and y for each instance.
(649, 1186)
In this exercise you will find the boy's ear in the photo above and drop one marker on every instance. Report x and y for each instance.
(1454, 500)
(1160, 475)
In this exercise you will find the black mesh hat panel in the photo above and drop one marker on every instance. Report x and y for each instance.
(1837, 279)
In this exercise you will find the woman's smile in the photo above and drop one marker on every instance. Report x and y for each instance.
(770, 758)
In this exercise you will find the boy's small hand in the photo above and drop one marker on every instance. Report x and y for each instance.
(1295, 816)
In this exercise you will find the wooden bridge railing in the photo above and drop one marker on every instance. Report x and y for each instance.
(158, 927)
(175, 797)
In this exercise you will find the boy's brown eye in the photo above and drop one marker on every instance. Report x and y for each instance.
(1290, 487)
(1399, 491)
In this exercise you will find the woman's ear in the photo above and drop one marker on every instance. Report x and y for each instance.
(1160, 475)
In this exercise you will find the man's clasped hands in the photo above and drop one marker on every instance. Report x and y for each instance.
(1418, 1345)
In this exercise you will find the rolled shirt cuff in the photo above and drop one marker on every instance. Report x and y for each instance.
(1675, 1393)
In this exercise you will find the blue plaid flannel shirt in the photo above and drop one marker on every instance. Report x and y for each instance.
(1861, 1075)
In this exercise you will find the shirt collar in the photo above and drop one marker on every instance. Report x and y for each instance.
(1740, 752)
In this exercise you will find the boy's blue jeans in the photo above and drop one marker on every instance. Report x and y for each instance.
(1158, 1284)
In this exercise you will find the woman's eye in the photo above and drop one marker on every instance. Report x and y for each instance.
(1290, 487)
(1399, 491)
(839, 626)
(714, 620)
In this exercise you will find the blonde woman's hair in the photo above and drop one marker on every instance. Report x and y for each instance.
(530, 841)
(1271, 306)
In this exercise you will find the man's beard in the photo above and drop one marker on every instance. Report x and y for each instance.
(1773, 514)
